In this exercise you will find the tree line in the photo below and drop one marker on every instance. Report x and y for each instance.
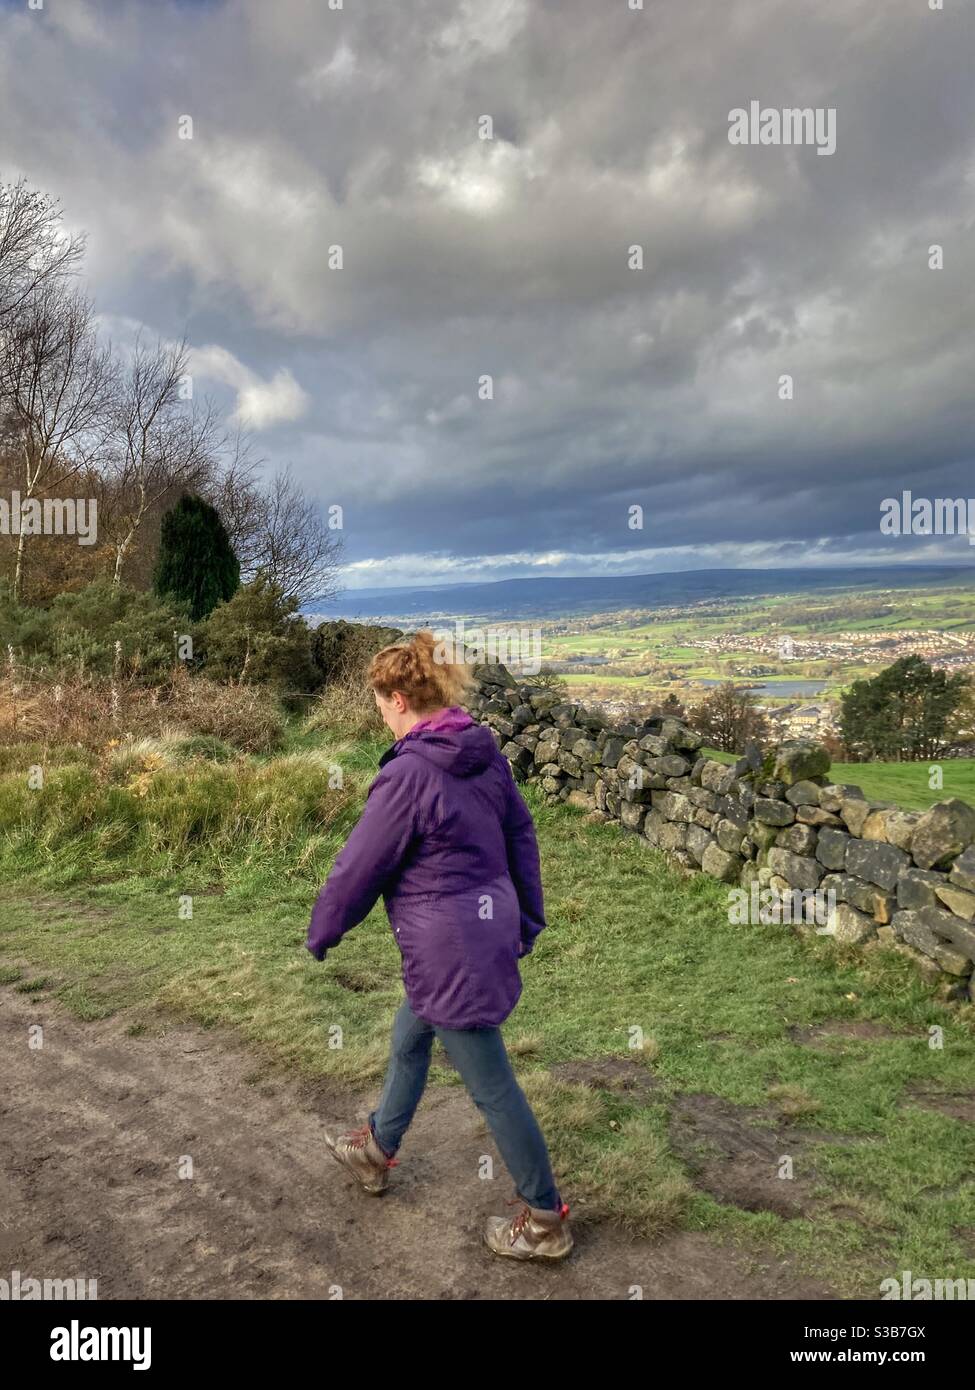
(909, 711)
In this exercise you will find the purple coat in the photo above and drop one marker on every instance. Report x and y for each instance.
(447, 840)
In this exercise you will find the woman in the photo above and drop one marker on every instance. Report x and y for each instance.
(447, 840)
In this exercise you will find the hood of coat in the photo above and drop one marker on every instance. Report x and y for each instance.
(452, 742)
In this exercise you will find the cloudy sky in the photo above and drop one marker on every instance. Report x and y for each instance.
(360, 127)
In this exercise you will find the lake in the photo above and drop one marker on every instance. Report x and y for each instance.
(786, 690)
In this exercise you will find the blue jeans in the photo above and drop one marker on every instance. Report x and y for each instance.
(480, 1057)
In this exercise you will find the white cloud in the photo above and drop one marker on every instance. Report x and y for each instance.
(479, 181)
(340, 69)
(79, 22)
(490, 25)
(418, 570)
(458, 407)
(260, 403)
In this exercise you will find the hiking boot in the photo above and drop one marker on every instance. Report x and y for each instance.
(358, 1151)
(534, 1234)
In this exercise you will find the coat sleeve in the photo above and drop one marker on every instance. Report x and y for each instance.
(371, 856)
(523, 864)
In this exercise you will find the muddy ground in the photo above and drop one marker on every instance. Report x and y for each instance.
(94, 1124)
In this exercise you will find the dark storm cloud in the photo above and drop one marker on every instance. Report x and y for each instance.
(612, 387)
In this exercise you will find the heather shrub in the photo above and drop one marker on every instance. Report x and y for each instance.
(104, 629)
(91, 712)
(258, 637)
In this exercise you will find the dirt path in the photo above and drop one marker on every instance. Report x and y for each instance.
(93, 1126)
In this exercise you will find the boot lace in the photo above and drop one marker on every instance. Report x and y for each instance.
(525, 1215)
(359, 1138)
(521, 1220)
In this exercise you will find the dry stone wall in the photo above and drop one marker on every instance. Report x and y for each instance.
(901, 876)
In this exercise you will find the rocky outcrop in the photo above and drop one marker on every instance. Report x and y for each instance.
(902, 877)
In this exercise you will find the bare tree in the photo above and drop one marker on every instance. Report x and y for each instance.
(728, 719)
(34, 248)
(295, 546)
(158, 445)
(233, 487)
(55, 385)
(275, 528)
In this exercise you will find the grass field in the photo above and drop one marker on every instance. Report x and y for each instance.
(96, 864)
(910, 784)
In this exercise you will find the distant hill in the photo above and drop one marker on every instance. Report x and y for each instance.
(557, 597)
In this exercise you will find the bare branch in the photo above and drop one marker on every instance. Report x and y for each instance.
(55, 391)
(159, 444)
(294, 545)
(34, 248)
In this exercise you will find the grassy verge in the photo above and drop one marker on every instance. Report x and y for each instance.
(96, 865)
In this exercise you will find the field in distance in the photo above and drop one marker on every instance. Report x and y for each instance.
(787, 647)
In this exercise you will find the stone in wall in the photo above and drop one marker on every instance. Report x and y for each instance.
(800, 760)
(831, 847)
(832, 796)
(943, 833)
(849, 926)
(918, 888)
(963, 870)
(877, 863)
